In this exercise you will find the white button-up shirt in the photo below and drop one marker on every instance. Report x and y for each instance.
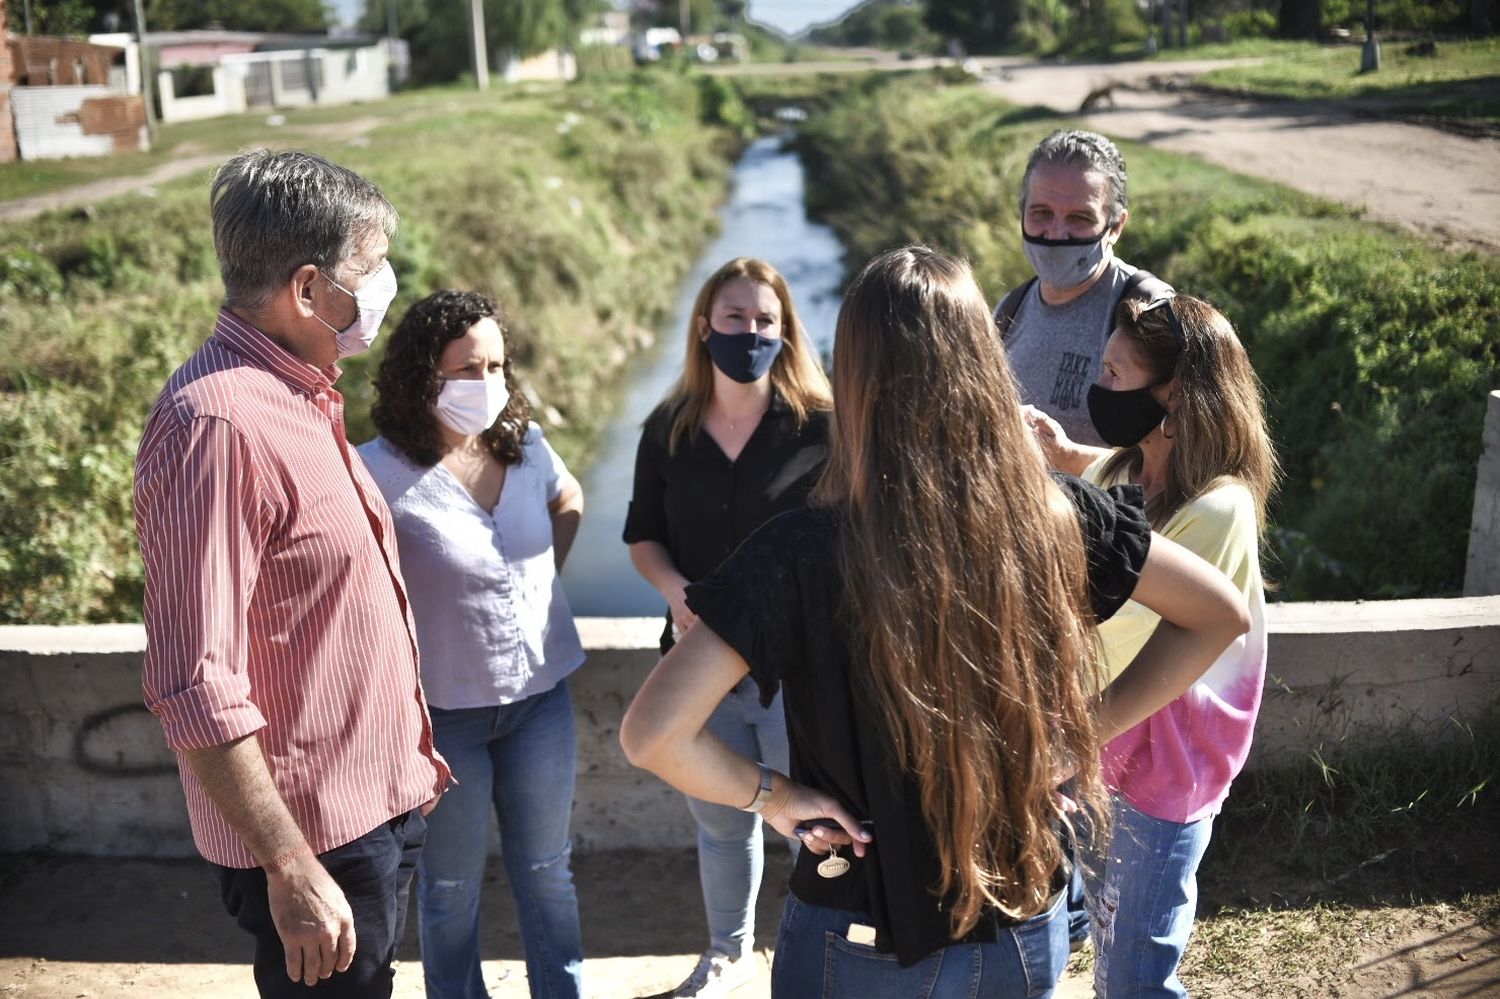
(493, 624)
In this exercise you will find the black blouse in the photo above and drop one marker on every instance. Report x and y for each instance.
(700, 505)
(776, 602)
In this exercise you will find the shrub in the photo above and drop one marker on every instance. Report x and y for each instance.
(1377, 350)
(577, 207)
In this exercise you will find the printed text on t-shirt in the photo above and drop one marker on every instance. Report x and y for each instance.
(1072, 376)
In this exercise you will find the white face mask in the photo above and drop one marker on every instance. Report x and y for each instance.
(472, 405)
(372, 301)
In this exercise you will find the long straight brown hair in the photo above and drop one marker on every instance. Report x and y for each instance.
(1218, 427)
(964, 578)
(796, 374)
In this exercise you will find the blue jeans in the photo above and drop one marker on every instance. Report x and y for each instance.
(1142, 899)
(374, 872)
(730, 854)
(521, 759)
(814, 957)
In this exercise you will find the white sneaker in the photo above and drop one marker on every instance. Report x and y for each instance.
(717, 974)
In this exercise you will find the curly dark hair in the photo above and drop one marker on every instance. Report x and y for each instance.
(407, 384)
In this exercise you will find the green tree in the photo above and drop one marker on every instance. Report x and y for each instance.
(54, 17)
(981, 25)
(438, 30)
(238, 15)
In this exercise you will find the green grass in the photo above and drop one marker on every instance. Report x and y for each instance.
(1240, 48)
(577, 207)
(303, 127)
(1461, 81)
(1341, 858)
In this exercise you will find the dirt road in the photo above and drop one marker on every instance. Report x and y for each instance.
(1443, 185)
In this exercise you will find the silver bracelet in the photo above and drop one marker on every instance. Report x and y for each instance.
(763, 794)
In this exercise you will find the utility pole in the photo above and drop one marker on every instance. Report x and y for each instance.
(684, 19)
(1369, 60)
(28, 17)
(390, 44)
(148, 84)
(481, 60)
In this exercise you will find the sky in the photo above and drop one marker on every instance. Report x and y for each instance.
(790, 16)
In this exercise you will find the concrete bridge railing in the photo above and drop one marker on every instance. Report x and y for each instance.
(83, 768)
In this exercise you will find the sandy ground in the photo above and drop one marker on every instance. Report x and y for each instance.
(1437, 183)
(71, 928)
(74, 928)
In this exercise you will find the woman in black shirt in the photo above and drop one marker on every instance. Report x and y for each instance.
(742, 437)
(931, 621)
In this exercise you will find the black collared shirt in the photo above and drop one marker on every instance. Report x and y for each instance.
(700, 505)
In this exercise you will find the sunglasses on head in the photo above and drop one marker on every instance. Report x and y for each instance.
(1175, 324)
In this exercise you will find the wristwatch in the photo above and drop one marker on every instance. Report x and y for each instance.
(763, 794)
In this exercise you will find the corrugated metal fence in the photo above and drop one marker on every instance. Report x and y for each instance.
(54, 122)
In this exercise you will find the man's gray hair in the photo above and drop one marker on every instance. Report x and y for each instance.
(1087, 151)
(274, 212)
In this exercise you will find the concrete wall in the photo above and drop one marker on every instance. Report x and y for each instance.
(1482, 571)
(344, 75)
(83, 768)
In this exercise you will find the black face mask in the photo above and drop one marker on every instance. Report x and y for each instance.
(1123, 419)
(744, 357)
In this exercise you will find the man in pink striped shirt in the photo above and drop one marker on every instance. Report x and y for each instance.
(281, 656)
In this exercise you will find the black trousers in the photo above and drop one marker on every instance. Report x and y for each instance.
(375, 873)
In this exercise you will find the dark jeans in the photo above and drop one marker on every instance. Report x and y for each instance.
(375, 872)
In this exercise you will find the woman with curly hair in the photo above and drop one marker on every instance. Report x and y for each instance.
(929, 618)
(485, 513)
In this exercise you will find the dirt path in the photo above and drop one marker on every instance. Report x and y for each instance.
(97, 928)
(1442, 185)
(185, 161)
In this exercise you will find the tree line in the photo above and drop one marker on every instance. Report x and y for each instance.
(1047, 25)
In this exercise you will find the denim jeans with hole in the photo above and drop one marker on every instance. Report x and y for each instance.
(519, 759)
(814, 957)
(375, 874)
(730, 851)
(1142, 897)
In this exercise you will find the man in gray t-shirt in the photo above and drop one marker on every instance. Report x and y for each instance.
(1073, 209)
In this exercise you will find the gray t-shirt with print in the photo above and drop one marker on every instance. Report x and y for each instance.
(1057, 351)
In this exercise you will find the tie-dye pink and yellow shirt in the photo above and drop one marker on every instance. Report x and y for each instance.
(1177, 765)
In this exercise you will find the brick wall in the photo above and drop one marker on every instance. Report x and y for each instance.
(7, 122)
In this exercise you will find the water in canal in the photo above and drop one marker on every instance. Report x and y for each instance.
(765, 218)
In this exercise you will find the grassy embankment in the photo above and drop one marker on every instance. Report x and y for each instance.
(577, 207)
(1461, 81)
(1377, 350)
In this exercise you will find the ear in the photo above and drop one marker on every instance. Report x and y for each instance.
(1119, 227)
(700, 324)
(300, 288)
(1165, 395)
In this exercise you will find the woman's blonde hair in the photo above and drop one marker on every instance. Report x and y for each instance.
(796, 374)
(1218, 428)
(965, 580)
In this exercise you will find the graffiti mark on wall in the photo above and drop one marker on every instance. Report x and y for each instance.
(123, 741)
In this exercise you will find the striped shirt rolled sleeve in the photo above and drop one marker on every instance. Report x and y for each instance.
(274, 601)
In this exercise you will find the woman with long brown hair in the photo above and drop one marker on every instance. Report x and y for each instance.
(1180, 402)
(930, 620)
(740, 438)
